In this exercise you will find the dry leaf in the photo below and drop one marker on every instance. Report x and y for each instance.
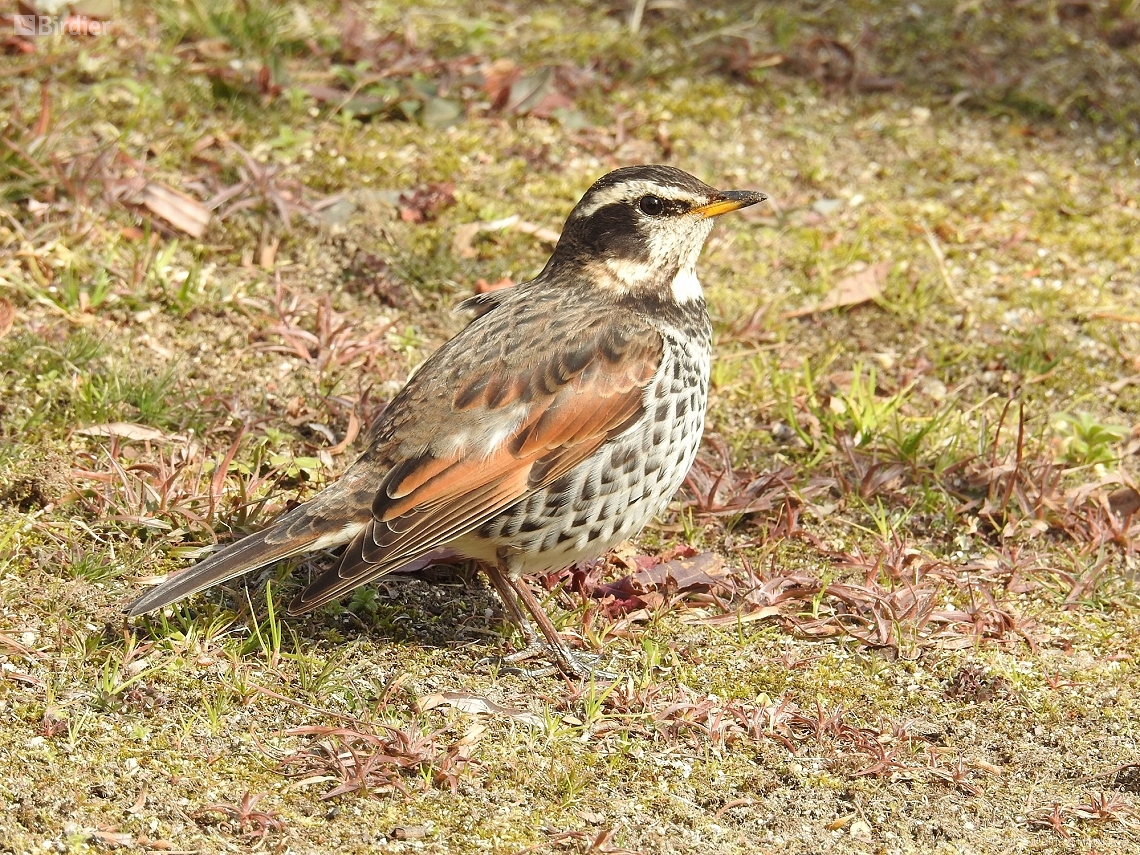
(268, 253)
(477, 705)
(654, 581)
(350, 435)
(463, 242)
(10, 647)
(112, 839)
(1124, 501)
(473, 735)
(543, 234)
(730, 618)
(1109, 315)
(178, 209)
(498, 78)
(536, 95)
(482, 286)
(704, 571)
(859, 288)
(7, 317)
(161, 845)
(140, 802)
(14, 45)
(44, 121)
(408, 832)
(125, 430)
(425, 203)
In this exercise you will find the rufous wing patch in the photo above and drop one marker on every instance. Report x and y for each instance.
(577, 403)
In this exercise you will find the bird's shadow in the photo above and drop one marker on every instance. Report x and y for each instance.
(443, 606)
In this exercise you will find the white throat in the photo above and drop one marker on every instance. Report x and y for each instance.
(686, 287)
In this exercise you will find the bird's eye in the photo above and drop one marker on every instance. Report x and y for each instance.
(651, 205)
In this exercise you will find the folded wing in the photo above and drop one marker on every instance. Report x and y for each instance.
(535, 423)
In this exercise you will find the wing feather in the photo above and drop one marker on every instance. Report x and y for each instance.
(574, 402)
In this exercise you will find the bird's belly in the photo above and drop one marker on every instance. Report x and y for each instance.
(610, 496)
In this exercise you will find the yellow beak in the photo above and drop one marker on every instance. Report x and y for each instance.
(728, 200)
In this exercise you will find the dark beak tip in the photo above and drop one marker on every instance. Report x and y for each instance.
(724, 201)
(746, 197)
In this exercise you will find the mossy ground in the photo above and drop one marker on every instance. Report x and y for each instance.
(933, 641)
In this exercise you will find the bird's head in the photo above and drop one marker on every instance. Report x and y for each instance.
(640, 229)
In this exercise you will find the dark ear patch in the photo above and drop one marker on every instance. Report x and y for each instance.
(612, 231)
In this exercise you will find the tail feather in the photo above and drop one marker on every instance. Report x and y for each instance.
(247, 554)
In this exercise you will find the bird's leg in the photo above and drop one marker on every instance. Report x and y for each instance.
(510, 603)
(535, 645)
(551, 643)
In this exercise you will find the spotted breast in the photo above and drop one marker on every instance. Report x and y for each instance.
(612, 495)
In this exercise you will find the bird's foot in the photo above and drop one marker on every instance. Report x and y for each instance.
(581, 666)
(543, 641)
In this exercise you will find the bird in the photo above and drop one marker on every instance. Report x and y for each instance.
(551, 428)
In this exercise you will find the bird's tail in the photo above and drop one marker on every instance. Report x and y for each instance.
(247, 554)
(322, 523)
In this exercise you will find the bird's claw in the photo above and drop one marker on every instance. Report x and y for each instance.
(582, 666)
